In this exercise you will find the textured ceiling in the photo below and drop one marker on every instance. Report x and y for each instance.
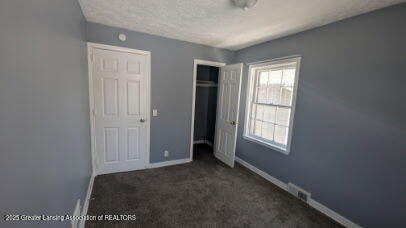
(218, 23)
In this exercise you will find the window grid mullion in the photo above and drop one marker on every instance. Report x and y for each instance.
(253, 101)
(267, 86)
(273, 105)
(280, 87)
(255, 98)
(264, 121)
(263, 110)
(255, 92)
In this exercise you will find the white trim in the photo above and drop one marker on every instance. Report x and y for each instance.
(76, 213)
(208, 143)
(332, 214)
(116, 48)
(168, 163)
(249, 93)
(86, 202)
(192, 124)
(316, 205)
(91, 106)
(205, 141)
(274, 59)
(268, 177)
(208, 86)
(90, 47)
(263, 143)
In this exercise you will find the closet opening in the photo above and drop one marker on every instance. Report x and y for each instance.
(204, 107)
(205, 110)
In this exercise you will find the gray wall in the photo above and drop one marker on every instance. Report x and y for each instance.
(44, 121)
(206, 104)
(171, 82)
(349, 140)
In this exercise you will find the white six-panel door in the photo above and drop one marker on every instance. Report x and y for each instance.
(120, 110)
(228, 102)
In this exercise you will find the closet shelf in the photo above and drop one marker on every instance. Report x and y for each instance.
(202, 83)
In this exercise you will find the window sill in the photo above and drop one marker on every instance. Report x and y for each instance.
(274, 147)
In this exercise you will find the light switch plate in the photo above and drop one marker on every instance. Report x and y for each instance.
(154, 112)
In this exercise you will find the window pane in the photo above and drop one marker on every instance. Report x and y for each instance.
(252, 125)
(275, 77)
(267, 131)
(270, 113)
(258, 128)
(261, 95)
(263, 79)
(281, 134)
(253, 111)
(274, 87)
(288, 78)
(274, 93)
(282, 116)
(260, 112)
(286, 96)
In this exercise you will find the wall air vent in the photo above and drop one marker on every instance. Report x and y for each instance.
(298, 192)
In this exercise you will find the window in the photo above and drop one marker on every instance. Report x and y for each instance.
(271, 103)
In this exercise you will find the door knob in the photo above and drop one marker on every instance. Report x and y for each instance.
(142, 120)
(233, 123)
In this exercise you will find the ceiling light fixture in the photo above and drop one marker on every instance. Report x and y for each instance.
(245, 4)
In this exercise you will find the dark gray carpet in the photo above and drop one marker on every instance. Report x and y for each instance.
(204, 193)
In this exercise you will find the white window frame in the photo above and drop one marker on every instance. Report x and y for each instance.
(253, 67)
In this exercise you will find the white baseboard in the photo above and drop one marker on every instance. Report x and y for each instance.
(207, 142)
(76, 212)
(87, 199)
(332, 214)
(167, 163)
(316, 205)
(268, 177)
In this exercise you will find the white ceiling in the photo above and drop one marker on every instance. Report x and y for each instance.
(218, 23)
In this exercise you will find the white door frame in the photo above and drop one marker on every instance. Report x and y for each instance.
(195, 63)
(90, 47)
